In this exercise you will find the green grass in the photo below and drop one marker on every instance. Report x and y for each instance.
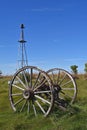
(57, 120)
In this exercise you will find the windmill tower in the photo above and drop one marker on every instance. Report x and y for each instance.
(22, 55)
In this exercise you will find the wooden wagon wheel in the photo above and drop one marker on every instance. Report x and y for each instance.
(64, 85)
(31, 90)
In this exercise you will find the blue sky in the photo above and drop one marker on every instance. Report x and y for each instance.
(55, 31)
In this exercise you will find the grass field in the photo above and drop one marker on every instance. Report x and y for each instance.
(57, 120)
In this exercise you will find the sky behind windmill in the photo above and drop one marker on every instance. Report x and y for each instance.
(55, 31)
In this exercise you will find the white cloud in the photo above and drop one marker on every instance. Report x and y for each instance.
(47, 9)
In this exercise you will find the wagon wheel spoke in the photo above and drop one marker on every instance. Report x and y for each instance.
(40, 84)
(40, 107)
(65, 84)
(28, 108)
(68, 89)
(31, 74)
(53, 77)
(36, 82)
(34, 110)
(23, 106)
(17, 87)
(21, 81)
(62, 79)
(42, 99)
(38, 92)
(16, 94)
(58, 76)
(66, 95)
(26, 81)
(20, 100)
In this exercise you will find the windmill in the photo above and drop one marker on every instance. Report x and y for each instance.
(22, 54)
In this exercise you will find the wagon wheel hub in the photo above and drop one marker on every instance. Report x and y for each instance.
(28, 94)
(57, 88)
